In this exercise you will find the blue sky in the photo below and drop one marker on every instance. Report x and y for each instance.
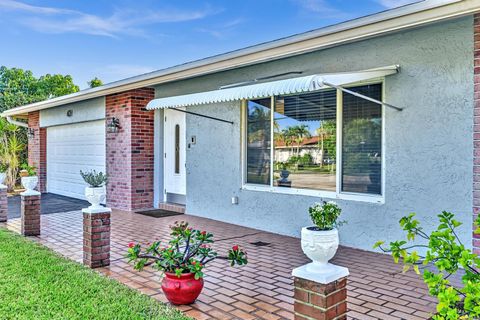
(117, 39)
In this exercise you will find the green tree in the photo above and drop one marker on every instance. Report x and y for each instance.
(95, 82)
(326, 132)
(20, 87)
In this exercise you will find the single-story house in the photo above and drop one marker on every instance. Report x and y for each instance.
(395, 94)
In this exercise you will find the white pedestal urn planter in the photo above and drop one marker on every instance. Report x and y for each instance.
(3, 176)
(29, 183)
(95, 196)
(320, 246)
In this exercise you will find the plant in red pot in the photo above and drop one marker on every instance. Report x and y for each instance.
(182, 260)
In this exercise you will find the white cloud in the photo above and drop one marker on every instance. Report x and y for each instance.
(223, 30)
(321, 7)
(390, 4)
(121, 21)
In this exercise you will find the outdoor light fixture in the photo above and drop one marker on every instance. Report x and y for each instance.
(30, 133)
(113, 125)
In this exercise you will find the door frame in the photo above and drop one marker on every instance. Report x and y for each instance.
(183, 151)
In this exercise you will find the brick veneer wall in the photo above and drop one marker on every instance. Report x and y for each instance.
(476, 130)
(37, 149)
(30, 220)
(3, 203)
(320, 301)
(96, 239)
(130, 152)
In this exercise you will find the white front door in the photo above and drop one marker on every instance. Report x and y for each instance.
(175, 153)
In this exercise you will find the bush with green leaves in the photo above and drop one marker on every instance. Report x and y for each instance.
(445, 255)
(325, 215)
(30, 170)
(94, 179)
(3, 167)
(188, 251)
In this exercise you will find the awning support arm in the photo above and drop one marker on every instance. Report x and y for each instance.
(202, 115)
(362, 96)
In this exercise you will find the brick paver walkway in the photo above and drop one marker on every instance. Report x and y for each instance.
(261, 290)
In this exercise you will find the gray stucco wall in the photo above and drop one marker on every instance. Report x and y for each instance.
(428, 145)
(88, 110)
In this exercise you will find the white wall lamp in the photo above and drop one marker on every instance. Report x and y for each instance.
(113, 126)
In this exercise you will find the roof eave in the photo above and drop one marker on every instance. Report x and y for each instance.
(374, 25)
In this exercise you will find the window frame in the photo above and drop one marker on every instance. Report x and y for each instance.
(338, 194)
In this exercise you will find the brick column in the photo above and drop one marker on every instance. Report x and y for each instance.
(96, 238)
(30, 209)
(3, 203)
(476, 130)
(130, 151)
(37, 149)
(320, 295)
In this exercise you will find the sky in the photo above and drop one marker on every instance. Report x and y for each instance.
(113, 40)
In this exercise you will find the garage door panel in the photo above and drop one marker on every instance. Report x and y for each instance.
(72, 148)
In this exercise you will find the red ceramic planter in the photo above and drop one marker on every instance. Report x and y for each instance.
(183, 290)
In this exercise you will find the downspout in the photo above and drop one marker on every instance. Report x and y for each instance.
(16, 122)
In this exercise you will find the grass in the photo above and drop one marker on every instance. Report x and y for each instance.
(36, 283)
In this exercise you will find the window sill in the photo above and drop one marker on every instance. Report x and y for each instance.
(317, 193)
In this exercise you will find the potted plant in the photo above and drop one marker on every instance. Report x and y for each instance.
(3, 172)
(182, 261)
(320, 242)
(284, 173)
(29, 177)
(95, 192)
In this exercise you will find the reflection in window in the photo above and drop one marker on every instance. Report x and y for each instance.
(258, 141)
(305, 141)
(362, 142)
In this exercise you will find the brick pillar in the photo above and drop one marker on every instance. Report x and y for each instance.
(30, 209)
(322, 294)
(3, 203)
(37, 149)
(130, 151)
(476, 130)
(96, 238)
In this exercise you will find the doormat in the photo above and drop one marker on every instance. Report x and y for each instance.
(159, 213)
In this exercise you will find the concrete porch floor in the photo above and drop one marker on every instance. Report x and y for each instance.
(263, 289)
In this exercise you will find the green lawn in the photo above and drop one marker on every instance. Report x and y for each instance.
(36, 283)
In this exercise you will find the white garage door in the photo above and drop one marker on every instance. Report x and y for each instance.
(71, 148)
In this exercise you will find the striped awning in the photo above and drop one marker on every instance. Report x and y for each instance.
(274, 88)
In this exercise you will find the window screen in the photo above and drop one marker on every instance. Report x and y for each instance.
(362, 141)
(258, 141)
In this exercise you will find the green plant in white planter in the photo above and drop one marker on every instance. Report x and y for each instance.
(29, 179)
(3, 172)
(320, 241)
(95, 192)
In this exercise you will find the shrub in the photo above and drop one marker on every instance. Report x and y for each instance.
(3, 167)
(94, 179)
(30, 170)
(447, 253)
(187, 252)
(325, 215)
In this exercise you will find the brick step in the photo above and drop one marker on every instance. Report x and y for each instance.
(170, 206)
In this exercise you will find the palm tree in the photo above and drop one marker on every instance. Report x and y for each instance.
(10, 148)
(300, 133)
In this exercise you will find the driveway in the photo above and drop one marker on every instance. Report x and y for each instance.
(51, 203)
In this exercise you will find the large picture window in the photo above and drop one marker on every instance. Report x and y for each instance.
(321, 141)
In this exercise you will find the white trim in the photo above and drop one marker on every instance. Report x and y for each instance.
(316, 193)
(394, 20)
